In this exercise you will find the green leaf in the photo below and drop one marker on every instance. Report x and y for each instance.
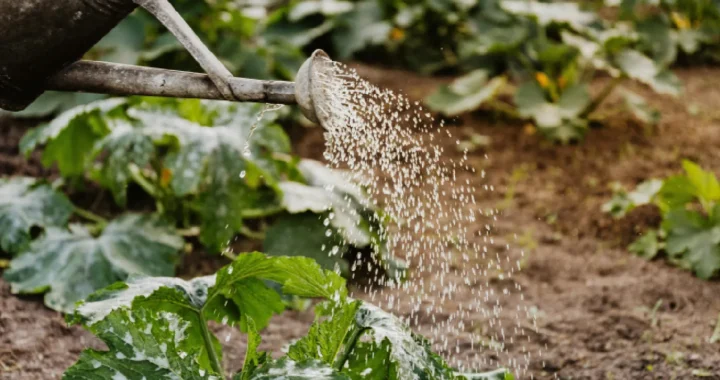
(253, 359)
(693, 240)
(647, 246)
(124, 44)
(676, 192)
(362, 27)
(410, 355)
(224, 297)
(529, 98)
(465, 94)
(69, 138)
(27, 203)
(52, 102)
(548, 13)
(574, 100)
(70, 265)
(305, 235)
(371, 361)
(143, 344)
(328, 334)
(324, 7)
(640, 108)
(499, 374)
(638, 66)
(124, 147)
(623, 202)
(291, 370)
(706, 185)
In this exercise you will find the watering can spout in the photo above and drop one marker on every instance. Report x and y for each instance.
(41, 42)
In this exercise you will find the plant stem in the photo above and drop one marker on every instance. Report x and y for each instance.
(606, 91)
(90, 216)
(188, 232)
(212, 355)
(142, 181)
(347, 349)
(504, 108)
(252, 234)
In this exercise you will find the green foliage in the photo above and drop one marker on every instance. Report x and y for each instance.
(212, 168)
(553, 51)
(691, 219)
(673, 29)
(156, 326)
(68, 265)
(26, 203)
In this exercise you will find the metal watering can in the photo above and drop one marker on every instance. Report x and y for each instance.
(41, 42)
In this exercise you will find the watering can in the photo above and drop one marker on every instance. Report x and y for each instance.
(42, 41)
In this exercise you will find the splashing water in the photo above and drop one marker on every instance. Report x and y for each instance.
(266, 108)
(391, 147)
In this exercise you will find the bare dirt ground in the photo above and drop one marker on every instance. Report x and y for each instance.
(593, 300)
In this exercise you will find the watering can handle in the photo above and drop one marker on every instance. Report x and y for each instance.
(128, 80)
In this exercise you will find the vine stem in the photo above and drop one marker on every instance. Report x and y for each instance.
(212, 355)
(606, 91)
(90, 216)
(347, 349)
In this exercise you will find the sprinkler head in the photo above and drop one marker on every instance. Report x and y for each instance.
(310, 94)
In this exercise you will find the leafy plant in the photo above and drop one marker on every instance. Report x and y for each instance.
(690, 229)
(672, 29)
(158, 326)
(553, 51)
(212, 169)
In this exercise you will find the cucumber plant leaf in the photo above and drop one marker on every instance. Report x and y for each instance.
(646, 246)
(639, 107)
(465, 94)
(694, 240)
(27, 203)
(69, 138)
(286, 368)
(68, 265)
(143, 343)
(359, 28)
(640, 67)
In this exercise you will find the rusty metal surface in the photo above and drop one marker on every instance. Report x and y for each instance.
(38, 38)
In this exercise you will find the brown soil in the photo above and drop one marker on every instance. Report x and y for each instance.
(593, 301)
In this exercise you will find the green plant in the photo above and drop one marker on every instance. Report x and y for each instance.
(212, 170)
(553, 51)
(158, 327)
(672, 29)
(690, 229)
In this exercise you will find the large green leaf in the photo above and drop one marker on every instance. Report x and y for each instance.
(225, 296)
(144, 344)
(638, 66)
(465, 94)
(27, 203)
(305, 370)
(547, 13)
(362, 27)
(558, 121)
(70, 265)
(332, 328)
(647, 246)
(694, 240)
(707, 187)
(69, 138)
(236, 295)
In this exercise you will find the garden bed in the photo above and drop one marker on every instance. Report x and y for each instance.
(601, 312)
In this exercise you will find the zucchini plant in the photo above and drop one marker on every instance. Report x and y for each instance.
(202, 172)
(157, 327)
(690, 209)
(553, 51)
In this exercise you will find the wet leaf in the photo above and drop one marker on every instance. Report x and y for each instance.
(547, 13)
(70, 265)
(305, 370)
(143, 343)
(333, 326)
(27, 203)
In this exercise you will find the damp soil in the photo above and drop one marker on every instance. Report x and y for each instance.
(601, 313)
